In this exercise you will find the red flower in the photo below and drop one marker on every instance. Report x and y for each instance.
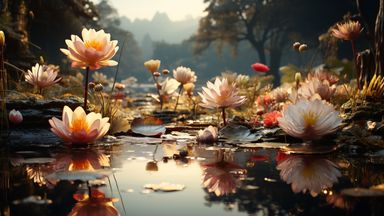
(270, 119)
(258, 67)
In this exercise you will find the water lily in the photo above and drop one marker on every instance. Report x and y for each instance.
(184, 75)
(78, 127)
(222, 95)
(15, 116)
(208, 135)
(152, 65)
(42, 76)
(309, 120)
(315, 86)
(308, 173)
(95, 50)
(259, 67)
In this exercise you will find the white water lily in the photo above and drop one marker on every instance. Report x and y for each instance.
(310, 120)
(42, 76)
(184, 75)
(95, 50)
(308, 173)
(316, 86)
(78, 127)
(220, 94)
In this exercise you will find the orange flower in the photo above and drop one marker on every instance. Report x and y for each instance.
(270, 119)
(95, 50)
(349, 30)
(152, 65)
(78, 127)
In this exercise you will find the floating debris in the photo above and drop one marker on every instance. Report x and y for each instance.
(165, 187)
(270, 180)
(33, 200)
(250, 187)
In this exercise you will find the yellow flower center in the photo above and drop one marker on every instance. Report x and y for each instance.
(310, 118)
(94, 44)
(79, 125)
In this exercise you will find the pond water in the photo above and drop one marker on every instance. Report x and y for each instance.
(196, 179)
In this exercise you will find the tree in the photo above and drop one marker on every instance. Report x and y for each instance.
(268, 25)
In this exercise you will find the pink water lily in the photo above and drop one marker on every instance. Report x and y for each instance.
(95, 50)
(78, 127)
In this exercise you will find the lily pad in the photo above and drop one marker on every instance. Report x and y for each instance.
(149, 126)
(238, 133)
(165, 187)
(33, 200)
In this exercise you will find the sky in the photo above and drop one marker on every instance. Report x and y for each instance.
(145, 9)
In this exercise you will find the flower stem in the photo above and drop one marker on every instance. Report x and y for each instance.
(86, 89)
(358, 74)
(223, 115)
(158, 91)
(178, 96)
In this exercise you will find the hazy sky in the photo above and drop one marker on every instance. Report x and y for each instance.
(176, 9)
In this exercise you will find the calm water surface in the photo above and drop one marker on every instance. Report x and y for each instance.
(218, 180)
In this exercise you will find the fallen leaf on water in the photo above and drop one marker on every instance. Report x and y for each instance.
(149, 126)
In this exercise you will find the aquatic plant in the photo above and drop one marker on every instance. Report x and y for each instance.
(183, 75)
(221, 95)
(77, 127)
(350, 31)
(314, 86)
(94, 51)
(208, 135)
(15, 116)
(309, 120)
(375, 87)
(150, 126)
(308, 173)
(167, 89)
(42, 76)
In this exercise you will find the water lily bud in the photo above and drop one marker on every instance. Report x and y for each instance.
(303, 48)
(41, 60)
(189, 87)
(2, 39)
(91, 85)
(156, 74)
(297, 79)
(152, 65)
(151, 166)
(15, 117)
(99, 88)
(165, 71)
(296, 45)
(120, 86)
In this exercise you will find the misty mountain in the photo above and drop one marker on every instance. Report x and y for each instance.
(160, 28)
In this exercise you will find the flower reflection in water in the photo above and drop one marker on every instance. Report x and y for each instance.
(81, 160)
(95, 205)
(312, 174)
(222, 176)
